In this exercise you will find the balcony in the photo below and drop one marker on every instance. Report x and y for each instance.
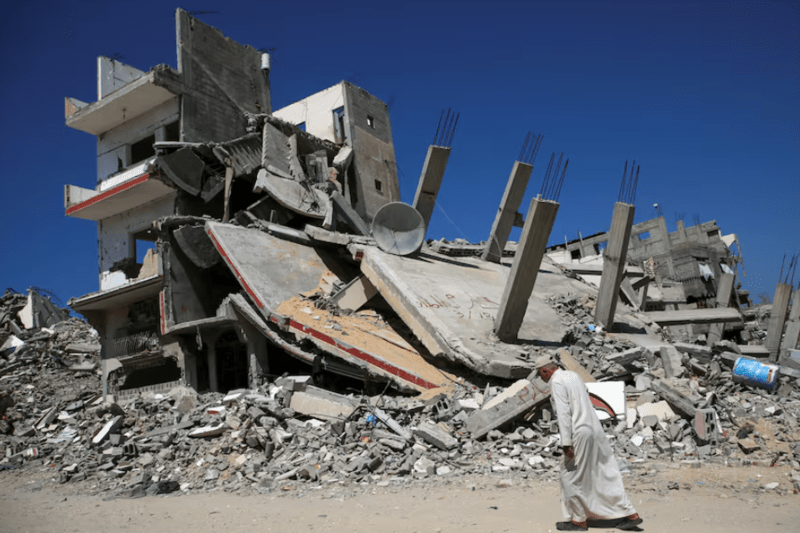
(133, 188)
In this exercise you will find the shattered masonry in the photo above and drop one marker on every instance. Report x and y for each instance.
(256, 267)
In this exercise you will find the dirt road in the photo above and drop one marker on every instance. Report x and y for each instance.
(702, 500)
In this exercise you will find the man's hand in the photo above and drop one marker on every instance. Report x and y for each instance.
(569, 452)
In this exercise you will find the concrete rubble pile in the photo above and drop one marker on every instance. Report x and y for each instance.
(289, 431)
(281, 274)
(682, 400)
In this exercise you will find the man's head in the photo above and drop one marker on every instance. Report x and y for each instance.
(545, 366)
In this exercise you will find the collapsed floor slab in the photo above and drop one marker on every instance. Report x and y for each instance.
(274, 271)
(450, 305)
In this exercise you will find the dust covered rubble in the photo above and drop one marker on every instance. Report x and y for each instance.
(289, 434)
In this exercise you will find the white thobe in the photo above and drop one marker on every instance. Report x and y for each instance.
(591, 481)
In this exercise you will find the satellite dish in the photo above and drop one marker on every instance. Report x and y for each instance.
(398, 229)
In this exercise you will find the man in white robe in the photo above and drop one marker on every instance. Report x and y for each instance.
(590, 477)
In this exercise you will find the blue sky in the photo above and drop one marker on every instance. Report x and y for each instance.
(704, 95)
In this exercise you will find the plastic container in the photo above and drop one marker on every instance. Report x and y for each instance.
(756, 374)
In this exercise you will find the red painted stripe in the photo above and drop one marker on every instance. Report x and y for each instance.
(235, 270)
(364, 356)
(111, 192)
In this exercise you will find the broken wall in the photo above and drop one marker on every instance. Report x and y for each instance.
(113, 75)
(370, 133)
(115, 236)
(114, 146)
(221, 80)
(316, 112)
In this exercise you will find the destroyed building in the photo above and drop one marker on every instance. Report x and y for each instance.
(167, 141)
(691, 259)
(667, 270)
(254, 256)
(232, 252)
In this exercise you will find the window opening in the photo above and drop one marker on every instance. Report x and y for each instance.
(143, 149)
(338, 124)
(370, 121)
(142, 242)
(172, 132)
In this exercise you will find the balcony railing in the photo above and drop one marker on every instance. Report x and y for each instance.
(136, 344)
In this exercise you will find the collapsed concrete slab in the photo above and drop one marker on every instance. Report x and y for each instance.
(695, 316)
(322, 404)
(259, 262)
(519, 398)
(451, 306)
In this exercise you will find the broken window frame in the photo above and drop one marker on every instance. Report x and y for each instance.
(339, 129)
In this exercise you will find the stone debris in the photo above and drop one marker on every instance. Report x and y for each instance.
(263, 439)
(446, 408)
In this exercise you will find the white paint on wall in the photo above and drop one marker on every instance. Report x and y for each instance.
(113, 75)
(113, 147)
(316, 112)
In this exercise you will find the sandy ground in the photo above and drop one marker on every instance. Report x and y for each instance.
(706, 500)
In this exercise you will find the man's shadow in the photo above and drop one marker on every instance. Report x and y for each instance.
(608, 524)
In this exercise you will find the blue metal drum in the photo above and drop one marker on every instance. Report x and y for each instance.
(756, 374)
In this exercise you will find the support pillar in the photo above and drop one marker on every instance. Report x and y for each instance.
(792, 336)
(527, 260)
(723, 300)
(507, 213)
(430, 180)
(614, 264)
(780, 305)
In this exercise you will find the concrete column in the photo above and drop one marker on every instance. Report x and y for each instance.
(780, 305)
(519, 286)
(792, 336)
(723, 300)
(430, 180)
(507, 213)
(614, 264)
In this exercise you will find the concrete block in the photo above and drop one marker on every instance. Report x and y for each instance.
(671, 359)
(111, 426)
(392, 424)
(432, 434)
(322, 404)
(47, 418)
(627, 357)
(701, 353)
(423, 465)
(83, 347)
(661, 410)
(294, 383)
(516, 400)
(706, 425)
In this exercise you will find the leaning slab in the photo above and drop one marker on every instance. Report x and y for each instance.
(517, 399)
(450, 305)
(271, 270)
